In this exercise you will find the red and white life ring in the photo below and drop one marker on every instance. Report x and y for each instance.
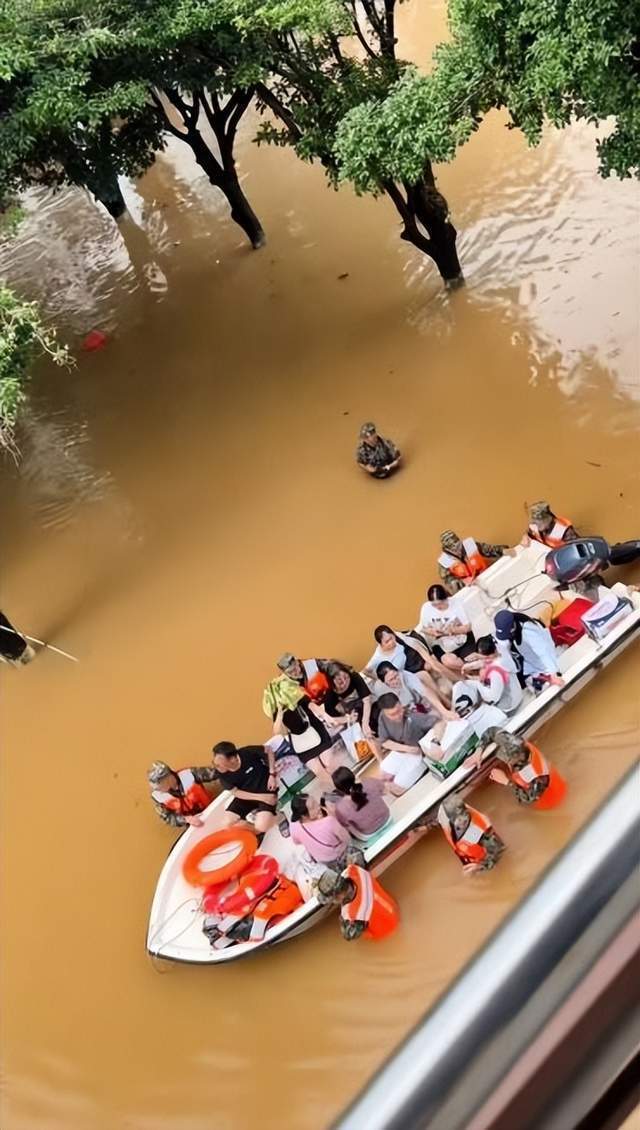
(238, 899)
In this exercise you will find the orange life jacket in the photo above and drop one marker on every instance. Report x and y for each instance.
(467, 569)
(536, 767)
(468, 848)
(282, 900)
(371, 904)
(555, 536)
(193, 799)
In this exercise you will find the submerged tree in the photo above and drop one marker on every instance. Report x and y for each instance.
(89, 91)
(330, 67)
(544, 62)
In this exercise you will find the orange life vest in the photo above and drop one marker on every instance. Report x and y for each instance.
(193, 799)
(555, 536)
(536, 767)
(468, 569)
(282, 900)
(371, 904)
(468, 848)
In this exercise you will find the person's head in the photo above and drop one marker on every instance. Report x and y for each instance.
(389, 675)
(333, 889)
(369, 433)
(305, 807)
(391, 706)
(290, 665)
(486, 645)
(504, 624)
(451, 543)
(346, 784)
(339, 677)
(457, 814)
(438, 596)
(385, 637)
(541, 515)
(162, 777)
(508, 747)
(225, 757)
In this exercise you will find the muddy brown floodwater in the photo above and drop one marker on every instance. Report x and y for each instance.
(187, 508)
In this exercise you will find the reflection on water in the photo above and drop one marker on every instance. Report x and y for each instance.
(187, 509)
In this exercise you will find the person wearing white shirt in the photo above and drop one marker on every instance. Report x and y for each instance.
(444, 624)
(530, 644)
(493, 675)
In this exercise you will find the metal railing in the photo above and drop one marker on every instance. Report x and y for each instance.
(540, 1024)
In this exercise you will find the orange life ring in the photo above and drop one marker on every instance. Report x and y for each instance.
(205, 877)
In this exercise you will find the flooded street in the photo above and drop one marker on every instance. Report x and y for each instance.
(188, 508)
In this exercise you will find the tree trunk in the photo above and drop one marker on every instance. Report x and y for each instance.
(426, 224)
(109, 193)
(226, 179)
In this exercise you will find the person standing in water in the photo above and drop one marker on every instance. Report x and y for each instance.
(462, 559)
(377, 456)
(14, 648)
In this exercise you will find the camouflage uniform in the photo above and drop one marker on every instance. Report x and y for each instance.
(452, 544)
(494, 847)
(203, 775)
(332, 886)
(541, 513)
(378, 455)
(513, 752)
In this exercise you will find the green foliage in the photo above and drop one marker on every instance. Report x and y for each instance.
(544, 60)
(23, 338)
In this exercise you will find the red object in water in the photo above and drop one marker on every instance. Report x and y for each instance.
(95, 339)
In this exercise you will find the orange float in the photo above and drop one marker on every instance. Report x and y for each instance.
(199, 876)
(251, 885)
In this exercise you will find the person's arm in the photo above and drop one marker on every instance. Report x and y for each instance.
(366, 715)
(272, 783)
(451, 583)
(174, 819)
(400, 747)
(279, 728)
(204, 774)
(488, 549)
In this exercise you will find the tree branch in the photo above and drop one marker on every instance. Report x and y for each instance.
(279, 109)
(168, 123)
(359, 32)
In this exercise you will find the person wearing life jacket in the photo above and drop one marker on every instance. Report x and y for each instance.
(179, 795)
(471, 834)
(493, 675)
(462, 559)
(365, 907)
(548, 528)
(525, 770)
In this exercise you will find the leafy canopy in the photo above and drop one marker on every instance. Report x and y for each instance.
(544, 60)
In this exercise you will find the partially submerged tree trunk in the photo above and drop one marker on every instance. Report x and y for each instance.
(426, 224)
(110, 194)
(221, 170)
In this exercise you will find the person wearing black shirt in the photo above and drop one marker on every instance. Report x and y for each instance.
(250, 774)
(349, 697)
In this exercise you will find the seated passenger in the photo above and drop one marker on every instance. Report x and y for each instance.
(250, 774)
(493, 675)
(361, 809)
(349, 698)
(318, 832)
(531, 646)
(308, 736)
(179, 795)
(471, 834)
(446, 626)
(377, 456)
(407, 654)
(547, 528)
(415, 691)
(399, 731)
(462, 559)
